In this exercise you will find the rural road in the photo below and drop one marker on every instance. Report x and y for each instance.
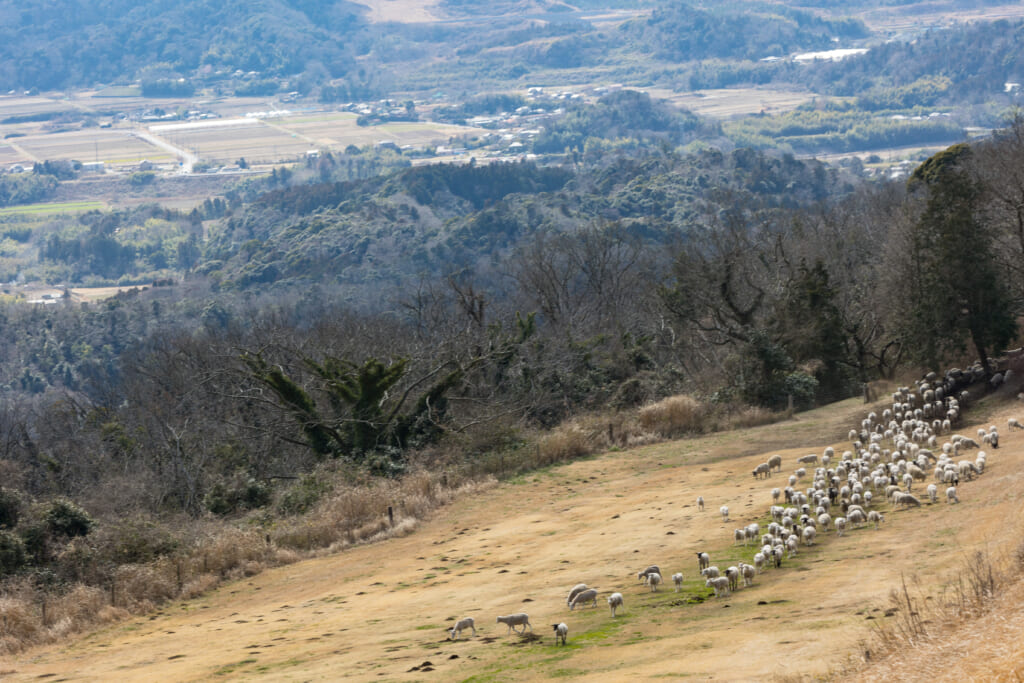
(188, 159)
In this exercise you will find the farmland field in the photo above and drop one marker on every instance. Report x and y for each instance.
(339, 129)
(114, 146)
(727, 103)
(377, 612)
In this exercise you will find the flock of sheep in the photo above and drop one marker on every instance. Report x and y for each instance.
(891, 454)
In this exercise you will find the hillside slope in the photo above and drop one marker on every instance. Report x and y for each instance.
(378, 612)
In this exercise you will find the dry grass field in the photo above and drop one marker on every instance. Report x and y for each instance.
(339, 129)
(114, 146)
(731, 102)
(378, 612)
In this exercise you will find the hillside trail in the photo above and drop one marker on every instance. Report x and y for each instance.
(379, 612)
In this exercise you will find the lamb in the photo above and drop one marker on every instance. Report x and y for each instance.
(700, 503)
(576, 590)
(725, 512)
(775, 462)
(589, 595)
(748, 572)
(703, 561)
(653, 579)
(719, 584)
(614, 602)
(710, 572)
(951, 496)
(456, 631)
(513, 620)
(561, 631)
(677, 579)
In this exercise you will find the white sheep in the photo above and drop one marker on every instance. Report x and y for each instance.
(614, 602)
(840, 525)
(513, 620)
(725, 512)
(589, 595)
(759, 559)
(933, 492)
(700, 503)
(710, 573)
(775, 462)
(677, 579)
(456, 631)
(1014, 423)
(808, 534)
(703, 561)
(720, 585)
(561, 631)
(875, 517)
(748, 572)
(951, 496)
(576, 590)
(654, 580)
(733, 574)
(808, 459)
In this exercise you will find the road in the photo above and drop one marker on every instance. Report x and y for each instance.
(186, 158)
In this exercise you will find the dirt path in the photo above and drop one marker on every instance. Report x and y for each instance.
(379, 612)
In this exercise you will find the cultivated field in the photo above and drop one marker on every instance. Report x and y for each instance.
(113, 146)
(378, 612)
(731, 102)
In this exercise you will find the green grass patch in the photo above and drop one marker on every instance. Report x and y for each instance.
(55, 207)
(231, 668)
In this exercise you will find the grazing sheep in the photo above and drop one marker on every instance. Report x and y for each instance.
(733, 574)
(654, 580)
(644, 574)
(725, 512)
(561, 631)
(719, 584)
(614, 602)
(703, 561)
(808, 459)
(762, 471)
(513, 620)
(710, 572)
(933, 492)
(700, 503)
(589, 595)
(576, 590)
(1014, 423)
(775, 462)
(677, 579)
(456, 631)
(951, 496)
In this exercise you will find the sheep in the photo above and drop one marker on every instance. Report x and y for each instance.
(561, 631)
(710, 572)
(654, 580)
(456, 631)
(876, 518)
(759, 559)
(576, 590)
(677, 579)
(748, 572)
(513, 620)
(809, 533)
(840, 525)
(776, 494)
(725, 512)
(719, 584)
(951, 496)
(700, 503)
(645, 573)
(1014, 423)
(775, 462)
(703, 561)
(589, 595)
(808, 459)
(739, 535)
(933, 492)
(614, 602)
(733, 574)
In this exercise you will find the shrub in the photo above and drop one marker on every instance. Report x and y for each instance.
(64, 518)
(12, 553)
(10, 508)
(673, 416)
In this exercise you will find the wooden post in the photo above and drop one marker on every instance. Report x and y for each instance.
(391, 516)
(611, 433)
